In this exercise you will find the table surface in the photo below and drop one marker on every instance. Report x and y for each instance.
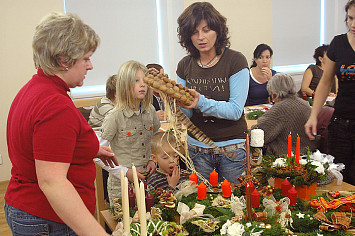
(111, 223)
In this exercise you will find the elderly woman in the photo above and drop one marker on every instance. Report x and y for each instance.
(288, 115)
(51, 146)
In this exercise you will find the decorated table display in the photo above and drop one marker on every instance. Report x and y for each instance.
(245, 208)
(202, 207)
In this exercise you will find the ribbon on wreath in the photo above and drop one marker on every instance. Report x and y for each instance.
(272, 206)
(323, 205)
(244, 179)
(186, 213)
(339, 221)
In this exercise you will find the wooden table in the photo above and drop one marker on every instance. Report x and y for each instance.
(111, 223)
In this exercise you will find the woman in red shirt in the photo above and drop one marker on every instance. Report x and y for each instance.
(51, 146)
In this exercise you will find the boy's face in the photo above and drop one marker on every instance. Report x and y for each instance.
(166, 158)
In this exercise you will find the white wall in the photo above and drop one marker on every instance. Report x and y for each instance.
(18, 20)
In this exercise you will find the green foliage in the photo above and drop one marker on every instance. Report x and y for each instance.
(275, 230)
(296, 174)
(254, 114)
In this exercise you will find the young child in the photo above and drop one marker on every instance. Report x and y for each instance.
(105, 104)
(168, 174)
(130, 126)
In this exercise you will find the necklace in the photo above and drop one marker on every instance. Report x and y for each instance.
(209, 63)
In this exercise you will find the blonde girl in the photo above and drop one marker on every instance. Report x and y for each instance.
(129, 127)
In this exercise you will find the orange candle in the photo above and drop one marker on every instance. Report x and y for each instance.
(214, 178)
(292, 195)
(248, 155)
(226, 188)
(201, 191)
(298, 150)
(255, 199)
(193, 177)
(285, 186)
(289, 150)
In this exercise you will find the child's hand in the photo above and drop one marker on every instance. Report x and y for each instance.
(161, 115)
(151, 167)
(175, 176)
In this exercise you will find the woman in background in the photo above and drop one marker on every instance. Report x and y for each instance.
(51, 146)
(260, 74)
(288, 114)
(340, 61)
(220, 77)
(312, 75)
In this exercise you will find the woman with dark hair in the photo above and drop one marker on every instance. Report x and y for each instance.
(340, 61)
(260, 74)
(312, 75)
(219, 76)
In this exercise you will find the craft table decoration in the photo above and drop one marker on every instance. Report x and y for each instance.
(235, 214)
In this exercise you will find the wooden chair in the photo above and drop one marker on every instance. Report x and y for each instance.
(99, 192)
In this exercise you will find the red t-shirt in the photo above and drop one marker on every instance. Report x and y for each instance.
(44, 124)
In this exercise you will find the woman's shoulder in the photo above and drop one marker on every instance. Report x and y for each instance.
(234, 54)
(236, 59)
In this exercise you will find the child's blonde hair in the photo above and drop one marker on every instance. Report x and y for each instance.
(160, 139)
(126, 78)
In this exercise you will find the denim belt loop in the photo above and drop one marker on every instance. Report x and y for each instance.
(228, 148)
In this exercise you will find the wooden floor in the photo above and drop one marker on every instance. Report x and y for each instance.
(4, 228)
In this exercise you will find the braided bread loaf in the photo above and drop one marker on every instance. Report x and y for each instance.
(162, 84)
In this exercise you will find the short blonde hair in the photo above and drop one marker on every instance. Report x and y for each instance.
(160, 139)
(282, 86)
(61, 38)
(126, 77)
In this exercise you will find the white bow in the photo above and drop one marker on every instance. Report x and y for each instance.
(186, 213)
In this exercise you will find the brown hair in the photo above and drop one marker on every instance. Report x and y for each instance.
(191, 18)
(111, 87)
(347, 6)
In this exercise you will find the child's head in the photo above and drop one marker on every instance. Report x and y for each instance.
(131, 91)
(163, 154)
(111, 87)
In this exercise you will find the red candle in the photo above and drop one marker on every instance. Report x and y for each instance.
(131, 197)
(201, 191)
(255, 199)
(193, 177)
(292, 195)
(289, 150)
(249, 208)
(252, 187)
(149, 201)
(226, 188)
(285, 186)
(248, 155)
(298, 147)
(214, 178)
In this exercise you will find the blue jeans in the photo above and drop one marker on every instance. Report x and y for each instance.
(226, 167)
(23, 223)
(341, 145)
